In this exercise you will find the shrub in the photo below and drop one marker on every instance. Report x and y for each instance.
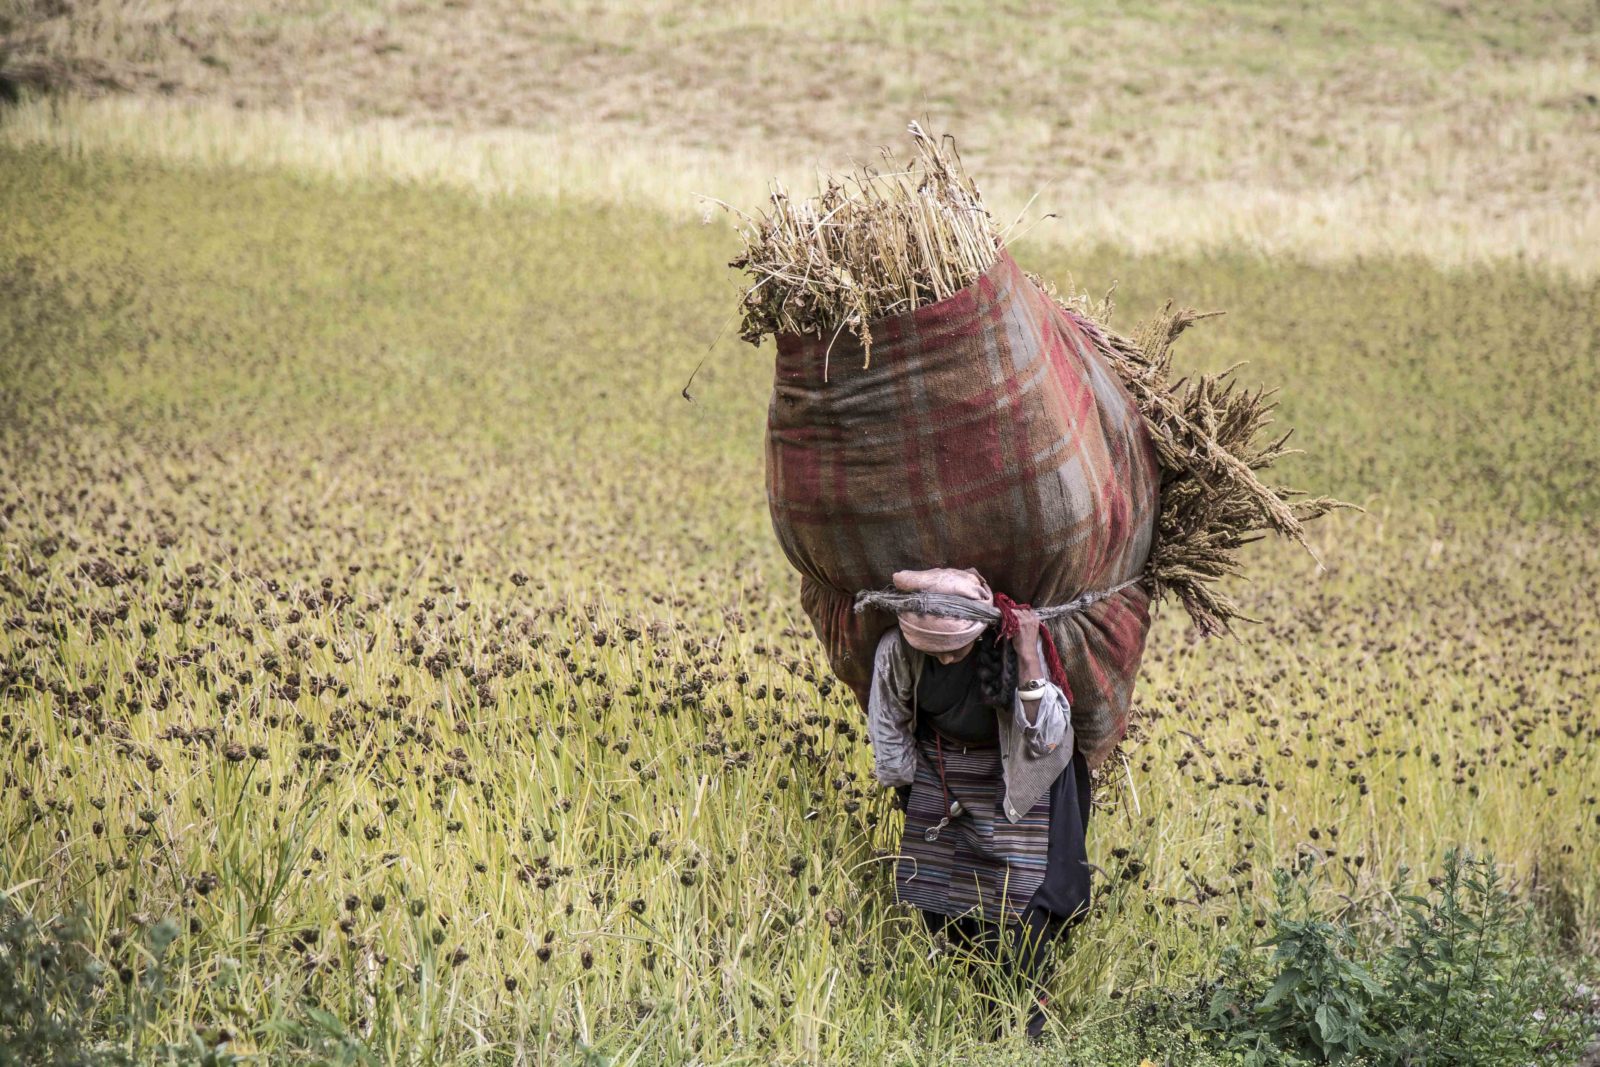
(1463, 977)
(47, 981)
(51, 985)
(1469, 982)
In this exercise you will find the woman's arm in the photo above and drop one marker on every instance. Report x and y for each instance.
(889, 714)
(1043, 721)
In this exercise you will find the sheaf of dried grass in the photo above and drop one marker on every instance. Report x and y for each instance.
(1214, 451)
(870, 244)
(880, 242)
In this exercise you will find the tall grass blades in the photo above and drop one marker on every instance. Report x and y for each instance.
(377, 614)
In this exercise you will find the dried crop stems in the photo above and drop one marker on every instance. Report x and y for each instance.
(869, 244)
(1209, 439)
(877, 243)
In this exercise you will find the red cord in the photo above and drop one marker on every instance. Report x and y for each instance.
(1008, 631)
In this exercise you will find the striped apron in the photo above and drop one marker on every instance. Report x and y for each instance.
(981, 863)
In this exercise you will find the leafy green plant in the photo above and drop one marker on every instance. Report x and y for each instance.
(1461, 978)
(1320, 997)
(47, 980)
(54, 1008)
(1467, 983)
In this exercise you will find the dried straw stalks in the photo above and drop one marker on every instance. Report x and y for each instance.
(876, 243)
(1211, 444)
(870, 244)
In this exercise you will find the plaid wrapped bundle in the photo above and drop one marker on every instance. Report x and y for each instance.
(986, 432)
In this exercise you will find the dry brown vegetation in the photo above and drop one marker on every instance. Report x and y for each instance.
(883, 240)
(1454, 131)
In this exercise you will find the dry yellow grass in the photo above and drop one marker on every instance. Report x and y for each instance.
(1463, 136)
(1141, 218)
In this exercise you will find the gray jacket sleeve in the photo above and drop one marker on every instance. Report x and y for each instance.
(1050, 717)
(889, 713)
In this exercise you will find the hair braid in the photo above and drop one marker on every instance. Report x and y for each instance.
(996, 664)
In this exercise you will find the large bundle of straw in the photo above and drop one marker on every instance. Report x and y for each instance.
(870, 244)
(889, 239)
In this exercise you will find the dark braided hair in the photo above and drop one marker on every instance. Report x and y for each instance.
(996, 664)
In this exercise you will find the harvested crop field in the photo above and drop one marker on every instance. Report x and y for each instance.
(1460, 132)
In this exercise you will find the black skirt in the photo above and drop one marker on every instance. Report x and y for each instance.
(1064, 894)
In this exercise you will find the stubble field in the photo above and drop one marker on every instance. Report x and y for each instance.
(391, 643)
(1466, 133)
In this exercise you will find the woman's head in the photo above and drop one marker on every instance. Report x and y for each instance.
(948, 639)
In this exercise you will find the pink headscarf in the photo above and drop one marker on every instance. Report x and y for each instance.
(935, 633)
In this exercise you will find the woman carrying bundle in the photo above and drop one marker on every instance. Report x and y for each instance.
(979, 744)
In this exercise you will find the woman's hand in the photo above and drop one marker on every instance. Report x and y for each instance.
(1027, 645)
(1027, 626)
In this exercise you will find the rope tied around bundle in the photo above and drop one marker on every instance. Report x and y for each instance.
(1002, 615)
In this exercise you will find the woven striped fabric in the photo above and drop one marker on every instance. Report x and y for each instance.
(982, 863)
(986, 432)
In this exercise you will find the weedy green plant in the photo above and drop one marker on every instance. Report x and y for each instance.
(52, 1002)
(1318, 993)
(48, 979)
(1471, 978)
(1460, 976)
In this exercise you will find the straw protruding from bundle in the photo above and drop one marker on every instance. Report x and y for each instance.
(873, 243)
(1212, 448)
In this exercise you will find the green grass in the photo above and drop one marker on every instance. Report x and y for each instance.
(399, 485)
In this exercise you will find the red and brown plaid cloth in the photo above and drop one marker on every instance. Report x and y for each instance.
(987, 432)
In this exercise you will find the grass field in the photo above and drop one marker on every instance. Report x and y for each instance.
(379, 612)
(398, 666)
(1465, 133)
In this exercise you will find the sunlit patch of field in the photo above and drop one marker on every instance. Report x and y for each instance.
(1202, 214)
(1462, 133)
(378, 609)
